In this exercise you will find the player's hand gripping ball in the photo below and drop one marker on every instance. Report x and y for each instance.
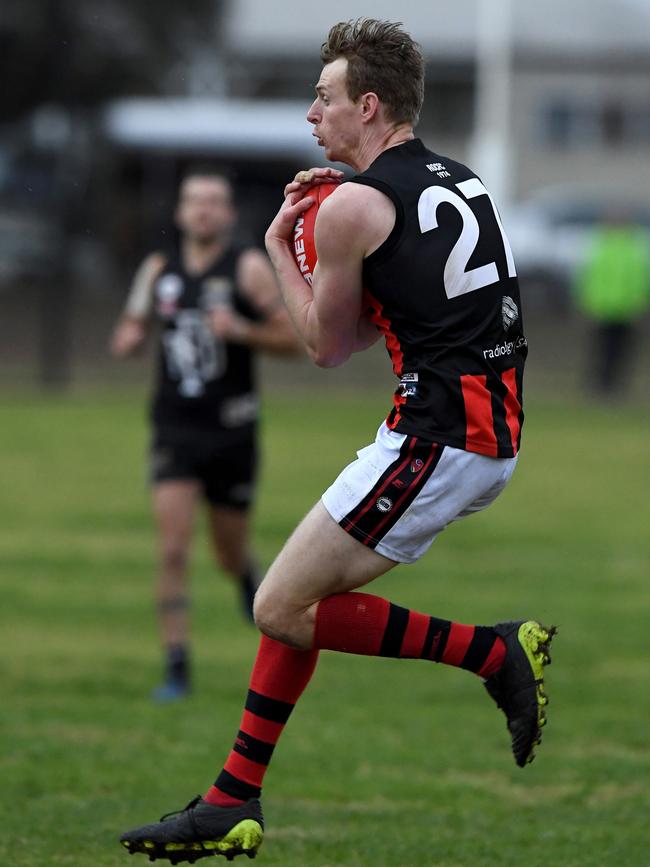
(304, 249)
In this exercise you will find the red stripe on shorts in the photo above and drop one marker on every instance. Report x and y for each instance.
(373, 494)
(395, 512)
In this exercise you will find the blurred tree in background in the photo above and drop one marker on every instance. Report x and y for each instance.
(61, 62)
(79, 54)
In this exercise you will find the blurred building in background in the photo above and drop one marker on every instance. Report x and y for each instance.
(108, 102)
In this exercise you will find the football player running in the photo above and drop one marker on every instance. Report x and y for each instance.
(217, 304)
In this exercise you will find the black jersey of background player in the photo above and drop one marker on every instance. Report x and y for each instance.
(204, 384)
(444, 292)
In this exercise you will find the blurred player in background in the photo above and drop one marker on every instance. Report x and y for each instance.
(217, 304)
(413, 248)
(613, 292)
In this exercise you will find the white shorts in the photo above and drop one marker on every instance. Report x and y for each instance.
(401, 492)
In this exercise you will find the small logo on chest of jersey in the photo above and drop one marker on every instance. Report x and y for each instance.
(439, 169)
(509, 312)
(168, 290)
(384, 504)
(416, 465)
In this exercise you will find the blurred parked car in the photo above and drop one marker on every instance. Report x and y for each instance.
(550, 231)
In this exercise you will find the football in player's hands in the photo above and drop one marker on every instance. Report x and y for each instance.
(304, 248)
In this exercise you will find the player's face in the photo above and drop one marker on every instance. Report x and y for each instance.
(205, 209)
(336, 119)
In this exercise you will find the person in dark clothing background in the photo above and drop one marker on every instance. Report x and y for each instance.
(217, 305)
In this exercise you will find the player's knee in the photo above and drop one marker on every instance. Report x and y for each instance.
(265, 613)
(174, 557)
(275, 619)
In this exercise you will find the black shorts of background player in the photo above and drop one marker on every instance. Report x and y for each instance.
(216, 304)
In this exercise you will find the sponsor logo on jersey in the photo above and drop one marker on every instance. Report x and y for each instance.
(168, 291)
(192, 354)
(505, 348)
(439, 169)
(500, 349)
(407, 387)
(399, 483)
(384, 504)
(416, 465)
(509, 312)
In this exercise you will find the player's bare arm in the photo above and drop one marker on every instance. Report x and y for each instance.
(131, 330)
(274, 333)
(352, 223)
(367, 333)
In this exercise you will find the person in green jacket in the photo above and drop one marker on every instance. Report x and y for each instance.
(613, 291)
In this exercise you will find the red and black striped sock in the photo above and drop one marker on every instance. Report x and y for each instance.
(280, 674)
(370, 625)
(350, 623)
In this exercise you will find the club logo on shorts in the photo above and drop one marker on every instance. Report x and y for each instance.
(416, 465)
(384, 504)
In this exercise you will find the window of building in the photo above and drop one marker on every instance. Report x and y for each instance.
(568, 122)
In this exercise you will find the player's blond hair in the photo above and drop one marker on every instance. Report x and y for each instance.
(383, 59)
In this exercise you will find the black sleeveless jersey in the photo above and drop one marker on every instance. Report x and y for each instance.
(443, 290)
(205, 387)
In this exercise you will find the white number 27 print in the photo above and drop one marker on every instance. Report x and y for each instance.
(457, 277)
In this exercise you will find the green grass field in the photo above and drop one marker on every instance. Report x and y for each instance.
(385, 762)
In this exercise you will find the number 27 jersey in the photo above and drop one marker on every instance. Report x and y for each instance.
(443, 290)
